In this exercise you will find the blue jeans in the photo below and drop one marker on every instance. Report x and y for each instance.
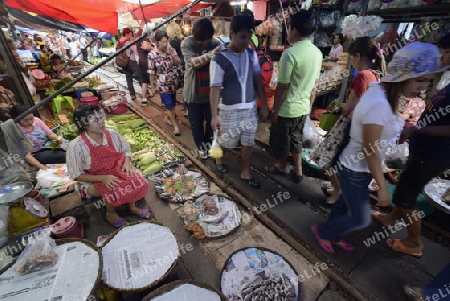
(199, 113)
(352, 209)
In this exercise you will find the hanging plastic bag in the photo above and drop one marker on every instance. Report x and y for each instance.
(215, 151)
(396, 156)
(37, 255)
(311, 137)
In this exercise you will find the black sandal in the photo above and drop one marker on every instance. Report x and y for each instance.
(252, 182)
(296, 178)
(273, 169)
(222, 168)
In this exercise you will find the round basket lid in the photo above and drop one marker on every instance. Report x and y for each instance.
(13, 192)
(183, 290)
(139, 256)
(38, 74)
(252, 268)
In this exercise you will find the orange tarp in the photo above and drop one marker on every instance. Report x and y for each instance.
(101, 15)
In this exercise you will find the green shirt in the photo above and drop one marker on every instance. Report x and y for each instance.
(299, 67)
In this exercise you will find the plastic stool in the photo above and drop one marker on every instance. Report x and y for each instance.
(57, 103)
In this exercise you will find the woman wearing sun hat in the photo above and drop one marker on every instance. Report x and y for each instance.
(429, 146)
(409, 72)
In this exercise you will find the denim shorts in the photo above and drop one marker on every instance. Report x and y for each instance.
(417, 173)
(169, 100)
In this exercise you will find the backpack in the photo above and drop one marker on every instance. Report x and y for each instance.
(265, 62)
(122, 59)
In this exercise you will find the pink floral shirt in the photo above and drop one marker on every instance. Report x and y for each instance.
(165, 71)
(414, 107)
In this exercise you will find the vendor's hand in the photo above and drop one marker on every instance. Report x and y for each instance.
(406, 133)
(263, 114)
(60, 140)
(128, 168)
(383, 197)
(215, 123)
(42, 167)
(274, 118)
(110, 181)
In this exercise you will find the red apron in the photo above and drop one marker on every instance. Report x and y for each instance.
(105, 160)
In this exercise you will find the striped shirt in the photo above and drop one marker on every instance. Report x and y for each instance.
(78, 157)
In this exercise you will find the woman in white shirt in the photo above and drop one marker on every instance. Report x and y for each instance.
(375, 122)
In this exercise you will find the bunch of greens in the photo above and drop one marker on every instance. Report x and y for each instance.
(68, 131)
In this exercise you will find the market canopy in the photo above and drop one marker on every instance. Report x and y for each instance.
(101, 15)
(41, 23)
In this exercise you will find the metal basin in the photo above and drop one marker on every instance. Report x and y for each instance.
(12, 193)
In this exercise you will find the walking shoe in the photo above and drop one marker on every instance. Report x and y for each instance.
(144, 102)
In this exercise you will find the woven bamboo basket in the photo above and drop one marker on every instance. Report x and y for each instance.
(155, 283)
(170, 286)
(70, 240)
(224, 268)
(41, 83)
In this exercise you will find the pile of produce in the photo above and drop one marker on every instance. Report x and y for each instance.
(143, 141)
(276, 288)
(147, 163)
(50, 123)
(68, 131)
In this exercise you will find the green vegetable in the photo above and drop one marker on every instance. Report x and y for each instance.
(147, 158)
(68, 131)
(154, 167)
(54, 144)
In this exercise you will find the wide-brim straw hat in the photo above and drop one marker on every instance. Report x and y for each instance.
(413, 60)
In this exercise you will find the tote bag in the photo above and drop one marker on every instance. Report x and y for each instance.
(327, 153)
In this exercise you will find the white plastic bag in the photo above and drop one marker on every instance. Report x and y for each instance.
(396, 156)
(37, 255)
(53, 177)
(311, 137)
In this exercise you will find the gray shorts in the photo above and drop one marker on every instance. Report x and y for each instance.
(238, 125)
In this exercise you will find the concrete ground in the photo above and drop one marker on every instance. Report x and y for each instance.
(374, 271)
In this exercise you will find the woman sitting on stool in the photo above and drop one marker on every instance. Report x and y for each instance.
(41, 137)
(100, 160)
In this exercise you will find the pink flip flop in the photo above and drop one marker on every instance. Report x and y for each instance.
(328, 247)
(344, 245)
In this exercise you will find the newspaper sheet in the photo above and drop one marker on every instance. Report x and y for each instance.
(188, 292)
(72, 278)
(252, 263)
(230, 217)
(138, 256)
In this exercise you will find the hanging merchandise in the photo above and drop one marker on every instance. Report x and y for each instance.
(389, 38)
(354, 26)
